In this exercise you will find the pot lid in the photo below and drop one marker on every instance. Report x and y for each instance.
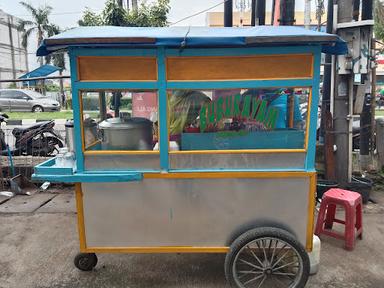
(121, 123)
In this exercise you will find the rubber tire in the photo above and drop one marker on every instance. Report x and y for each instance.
(256, 233)
(85, 261)
(37, 106)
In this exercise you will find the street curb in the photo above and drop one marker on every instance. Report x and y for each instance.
(15, 122)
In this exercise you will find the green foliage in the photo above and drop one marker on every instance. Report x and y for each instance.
(69, 103)
(52, 87)
(379, 20)
(39, 23)
(12, 86)
(90, 19)
(58, 57)
(154, 15)
(113, 14)
(42, 27)
(147, 15)
(91, 103)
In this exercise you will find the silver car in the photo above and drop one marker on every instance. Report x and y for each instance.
(26, 101)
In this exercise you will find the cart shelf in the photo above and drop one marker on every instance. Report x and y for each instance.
(46, 172)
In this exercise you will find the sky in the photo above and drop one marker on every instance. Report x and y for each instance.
(66, 13)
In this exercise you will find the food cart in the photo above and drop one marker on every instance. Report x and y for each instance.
(195, 140)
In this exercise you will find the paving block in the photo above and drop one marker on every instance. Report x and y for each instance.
(62, 203)
(25, 204)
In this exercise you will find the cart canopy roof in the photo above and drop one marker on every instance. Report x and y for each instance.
(191, 37)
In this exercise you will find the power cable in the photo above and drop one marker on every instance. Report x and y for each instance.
(198, 13)
(53, 14)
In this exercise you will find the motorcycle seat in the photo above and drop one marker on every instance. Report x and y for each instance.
(30, 127)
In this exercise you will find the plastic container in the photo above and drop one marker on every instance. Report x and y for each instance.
(314, 256)
(361, 185)
(323, 186)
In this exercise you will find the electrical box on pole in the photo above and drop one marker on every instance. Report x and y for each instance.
(351, 83)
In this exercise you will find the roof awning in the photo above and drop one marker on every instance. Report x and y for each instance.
(192, 37)
(41, 71)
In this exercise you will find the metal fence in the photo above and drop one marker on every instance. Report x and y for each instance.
(22, 164)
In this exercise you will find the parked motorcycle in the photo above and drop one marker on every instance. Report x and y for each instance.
(39, 139)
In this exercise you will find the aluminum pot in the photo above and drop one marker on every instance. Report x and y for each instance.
(90, 133)
(126, 134)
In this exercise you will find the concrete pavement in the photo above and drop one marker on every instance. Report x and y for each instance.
(37, 251)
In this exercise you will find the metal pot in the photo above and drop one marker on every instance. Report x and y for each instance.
(126, 134)
(90, 133)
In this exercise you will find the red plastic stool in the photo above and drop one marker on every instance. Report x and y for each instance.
(353, 205)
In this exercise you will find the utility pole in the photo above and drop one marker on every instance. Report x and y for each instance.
(260, 12)
(366, 117)
(342, 103)
(307, 14)
(319, 13)
(228, 13)
(253, 13)
(287, 12)
(276, 12)
(326, 133)
(351, 85)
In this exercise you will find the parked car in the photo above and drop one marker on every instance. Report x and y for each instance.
(26, 101)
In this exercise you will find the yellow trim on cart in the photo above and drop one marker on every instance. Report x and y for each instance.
(243, 67)
(239, 151)
(80, 217)
(311, 212)
(161, 249)
(94, 143)
(190, 249)
(308, 120)
(119, 152)
(81, 121)
(256, 174)
(258, 151)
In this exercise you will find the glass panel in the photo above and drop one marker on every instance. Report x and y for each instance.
(233, 119)
(120, 120)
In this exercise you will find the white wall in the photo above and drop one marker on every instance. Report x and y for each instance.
(19, 53)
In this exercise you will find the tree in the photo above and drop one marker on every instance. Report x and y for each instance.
(153, 15)
(58, 60)
(379, 20)
(39, 24)
(90, 19)
(114, 14)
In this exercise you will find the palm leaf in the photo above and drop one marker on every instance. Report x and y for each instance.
(25, 36)
(23, 23)
(30, 8)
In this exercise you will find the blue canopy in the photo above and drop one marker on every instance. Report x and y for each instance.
(41, 71)
(197, 37)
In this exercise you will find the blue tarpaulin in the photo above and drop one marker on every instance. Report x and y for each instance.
(194, 37)
(39, 72)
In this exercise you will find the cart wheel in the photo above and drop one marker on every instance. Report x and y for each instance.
(85, 261)
(267, 257)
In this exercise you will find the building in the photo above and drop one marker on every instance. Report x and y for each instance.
(13, 57)
(216, 19)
